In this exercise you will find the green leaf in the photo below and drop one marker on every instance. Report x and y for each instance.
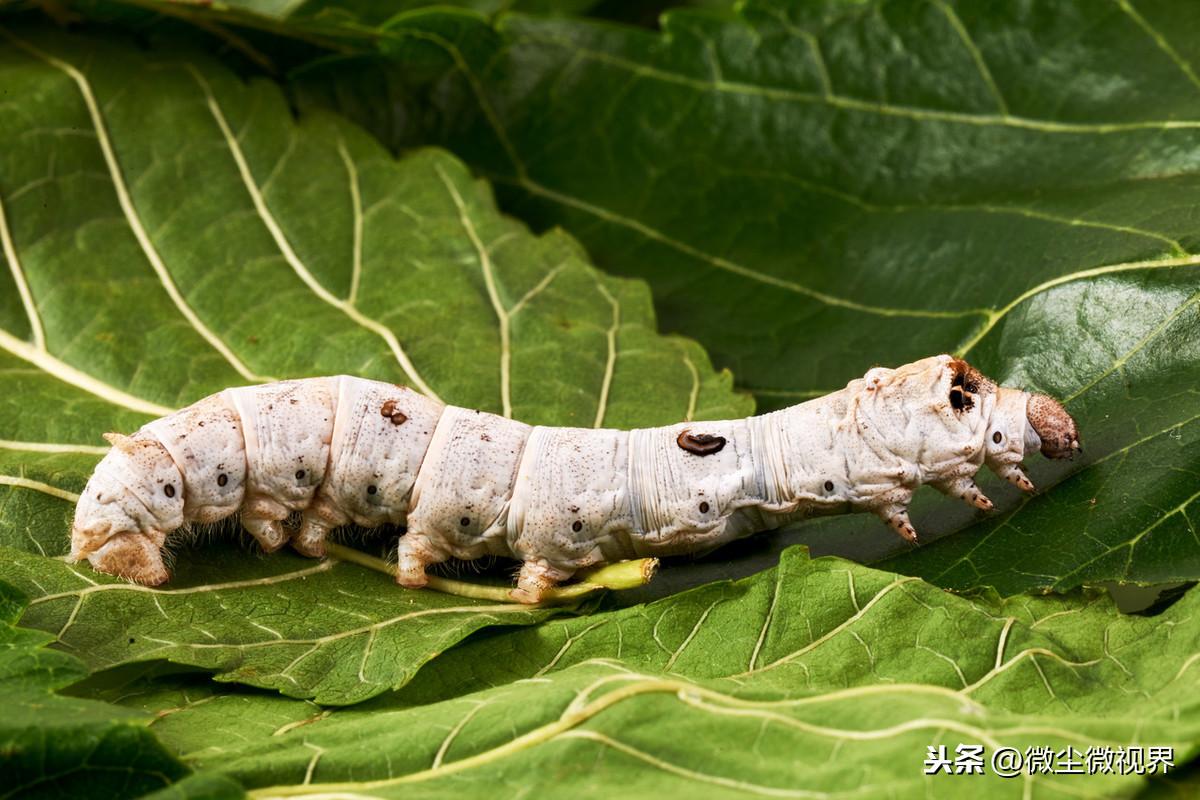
(818, 676)
(169, 231)
(814, 188)
(331, 631)
(374, 12)
(53, 746)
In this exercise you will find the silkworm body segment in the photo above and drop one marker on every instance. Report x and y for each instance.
(345, 450)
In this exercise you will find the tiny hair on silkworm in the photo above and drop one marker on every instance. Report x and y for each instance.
(291, 461)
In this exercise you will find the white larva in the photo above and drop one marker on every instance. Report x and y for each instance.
(466, 483)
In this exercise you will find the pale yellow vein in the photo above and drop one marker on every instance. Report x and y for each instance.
(871, 106)
(610, 361)
(14, 265)
(81, 380)
(38, 486)
(53, 447)
(356, 210)
(489, 281)
(125, 199)
(1161, 41)
(976, 55)
(994, 317)
(725, 264)
(289, 254)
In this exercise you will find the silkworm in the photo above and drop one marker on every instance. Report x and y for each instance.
(466, 484)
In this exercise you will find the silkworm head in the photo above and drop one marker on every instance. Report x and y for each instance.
(132, 499)
(135, 556)
(1054, 426)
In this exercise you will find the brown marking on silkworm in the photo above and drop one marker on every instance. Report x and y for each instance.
(965, 383)
(169, 490)
(389, 410)
(700, 444)
(962, 384)
(704, 508)
(577, 526)
(299, 474)
(829, 486)
(997, 437)
(222, 479)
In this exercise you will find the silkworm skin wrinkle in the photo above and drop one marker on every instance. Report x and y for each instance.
(345, 450)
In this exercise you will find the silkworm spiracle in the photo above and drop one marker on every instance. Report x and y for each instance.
(466, 483)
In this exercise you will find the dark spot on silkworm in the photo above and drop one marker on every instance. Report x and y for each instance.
(222, 479)
(573, 509)
(169, 490)
(997, 437)
(293, 401)
(372, 489)
(700, 444)
(99, 496)
(465, 521)
(299, 474)
(577, 526)
(967, 381)
(704, 508)
(389, 410)
(829, 486)
(201, 424)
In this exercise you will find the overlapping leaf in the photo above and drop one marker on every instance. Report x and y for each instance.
(818, 677)
(169, 231)
(61, 747)
(331, 631)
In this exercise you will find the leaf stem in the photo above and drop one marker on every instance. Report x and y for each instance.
(621, 575)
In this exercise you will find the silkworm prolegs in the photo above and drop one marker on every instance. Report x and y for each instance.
(465, 483)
